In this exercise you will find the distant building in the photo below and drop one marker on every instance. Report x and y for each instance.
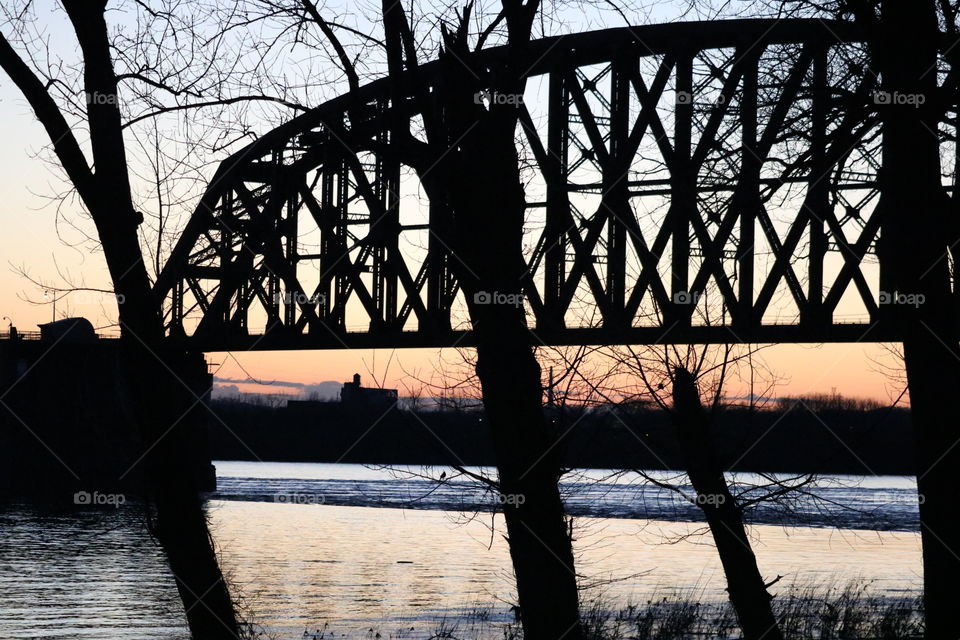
(352, 396)
(68, 331)
(356, 395)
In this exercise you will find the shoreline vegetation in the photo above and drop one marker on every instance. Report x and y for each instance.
(850, 611)
(824, 435)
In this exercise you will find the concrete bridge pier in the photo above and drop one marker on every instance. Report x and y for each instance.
(64, 430)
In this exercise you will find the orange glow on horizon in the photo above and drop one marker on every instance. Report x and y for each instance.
(852, 370)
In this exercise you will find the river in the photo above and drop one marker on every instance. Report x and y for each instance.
(352, 549)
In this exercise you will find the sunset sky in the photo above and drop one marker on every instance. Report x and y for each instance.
(54, 249)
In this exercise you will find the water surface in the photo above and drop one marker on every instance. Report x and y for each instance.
(357, 549)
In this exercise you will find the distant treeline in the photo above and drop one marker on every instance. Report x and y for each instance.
(823, 434)
(830, 402)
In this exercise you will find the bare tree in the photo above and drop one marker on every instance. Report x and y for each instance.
(916, 211)
(912, 51)
(468, 165)
(165, 408)
(745, 584)
(668, 376)
(912, 45)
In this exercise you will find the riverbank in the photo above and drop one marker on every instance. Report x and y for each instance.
(795, 438)
(813, 612)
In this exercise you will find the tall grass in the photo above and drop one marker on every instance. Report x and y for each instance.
(805, 612)
(849, 612)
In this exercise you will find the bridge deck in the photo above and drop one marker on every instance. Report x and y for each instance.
(768, 334)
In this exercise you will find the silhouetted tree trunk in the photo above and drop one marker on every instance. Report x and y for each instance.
(474, 176)
(488, 205)
(163, 402)
(914, 209)
(745, 585)
(917, 237)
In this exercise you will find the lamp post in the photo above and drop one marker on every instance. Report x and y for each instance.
(52, 296)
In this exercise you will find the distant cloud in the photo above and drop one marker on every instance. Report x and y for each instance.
(322, 391)
(221, 391)
(327, 390)
(265, 383)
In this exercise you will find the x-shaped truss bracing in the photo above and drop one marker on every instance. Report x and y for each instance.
(706, 183)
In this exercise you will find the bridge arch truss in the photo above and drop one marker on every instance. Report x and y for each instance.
(685, 183)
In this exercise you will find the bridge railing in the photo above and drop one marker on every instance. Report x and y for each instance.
(19, 335)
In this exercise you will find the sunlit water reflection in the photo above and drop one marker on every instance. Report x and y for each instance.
(302, 553)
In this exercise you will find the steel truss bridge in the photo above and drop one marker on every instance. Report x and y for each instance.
(750, 151)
